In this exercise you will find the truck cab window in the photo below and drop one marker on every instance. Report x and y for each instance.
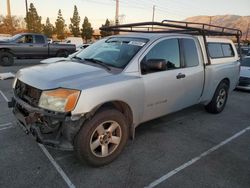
(167, 50)
(191, 57)
(39, 39)
(25, 39)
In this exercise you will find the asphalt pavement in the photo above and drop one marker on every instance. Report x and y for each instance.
(190, 148)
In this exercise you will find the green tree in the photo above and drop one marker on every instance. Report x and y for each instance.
(33, 20)
(48, 28)
(75, 22)
(9, 25)
(106, 33)
(60, 26)
(87, 30)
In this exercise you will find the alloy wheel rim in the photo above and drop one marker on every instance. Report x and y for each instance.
(105, 139)
(5, 59)
(221, 98)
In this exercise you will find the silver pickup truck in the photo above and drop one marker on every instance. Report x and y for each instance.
(31, 45)
(93, 102)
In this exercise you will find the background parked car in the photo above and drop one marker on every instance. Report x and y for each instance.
(244, 82)
(82, 46)
(57, 59)
(31, 45)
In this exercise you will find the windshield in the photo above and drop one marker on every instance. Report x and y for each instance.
(15, 37)
(114, 52)
(245, 62)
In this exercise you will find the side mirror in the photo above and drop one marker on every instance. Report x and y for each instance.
(155, 65)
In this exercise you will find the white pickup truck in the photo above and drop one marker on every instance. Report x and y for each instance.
(93, 102)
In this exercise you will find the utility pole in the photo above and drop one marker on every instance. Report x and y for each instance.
(9, 16)
(153, 17)
(117, 13)
(247, 31)
(26, 5)
(210, 21)
(8, 9)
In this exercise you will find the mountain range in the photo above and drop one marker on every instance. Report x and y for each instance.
(232, 21)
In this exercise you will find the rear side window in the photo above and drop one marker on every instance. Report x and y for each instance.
(227, 50)
(39, 39)
(191, 57)
(220, 50)
(215, 50)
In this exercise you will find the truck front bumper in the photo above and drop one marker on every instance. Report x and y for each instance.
(56, 130)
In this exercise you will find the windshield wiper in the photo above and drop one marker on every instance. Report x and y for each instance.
(99, 62)
(76, 57)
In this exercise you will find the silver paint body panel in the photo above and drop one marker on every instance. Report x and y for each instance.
(148, 96)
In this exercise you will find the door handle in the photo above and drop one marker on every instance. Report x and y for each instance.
(180, 75)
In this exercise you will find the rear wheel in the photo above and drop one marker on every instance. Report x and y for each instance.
(62, 53)
(219, 100)
(6, 59)
(103, 138)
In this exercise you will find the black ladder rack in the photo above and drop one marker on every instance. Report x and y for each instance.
(171, 26)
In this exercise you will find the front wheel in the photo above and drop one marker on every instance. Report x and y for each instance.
(219, 100)
(6, 59)
(103, 138)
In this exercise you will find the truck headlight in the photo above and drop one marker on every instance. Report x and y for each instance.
(60, 100)
(14, 83)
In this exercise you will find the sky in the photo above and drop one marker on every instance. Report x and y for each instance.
(130, 10)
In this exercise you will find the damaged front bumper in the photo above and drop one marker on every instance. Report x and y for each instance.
(53, 129)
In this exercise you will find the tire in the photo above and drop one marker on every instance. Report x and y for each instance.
(62, 53)
(98, 146)
(6, 59)
(219, 99)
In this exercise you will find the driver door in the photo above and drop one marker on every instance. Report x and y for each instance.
(163, 89)
(24, 46)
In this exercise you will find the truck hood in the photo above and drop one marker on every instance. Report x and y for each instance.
(54, 59)
(65, 74)
(4, 41)
(245, 71)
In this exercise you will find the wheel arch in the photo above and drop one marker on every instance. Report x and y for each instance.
(61, 50)
(226, 80)
(122, 107)
(7, 50)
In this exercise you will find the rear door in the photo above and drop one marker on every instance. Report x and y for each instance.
(40, 47)
(193, 71)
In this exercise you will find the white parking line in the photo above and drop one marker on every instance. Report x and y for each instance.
(8, 127)
(45, 151)
(4, 96)
(192, 161)
(5, 124)
(57, 167)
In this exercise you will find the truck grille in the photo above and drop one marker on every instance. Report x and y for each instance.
(27, 93)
